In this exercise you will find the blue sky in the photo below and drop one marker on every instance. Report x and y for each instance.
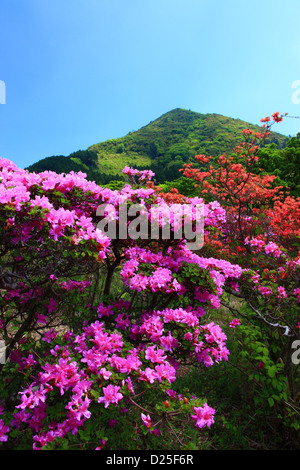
(79, 72)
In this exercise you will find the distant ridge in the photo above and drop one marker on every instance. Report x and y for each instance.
(163, 145)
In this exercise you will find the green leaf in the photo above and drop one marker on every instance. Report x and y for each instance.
(271, 401)
(272, 371)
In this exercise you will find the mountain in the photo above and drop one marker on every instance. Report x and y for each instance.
(163, 145)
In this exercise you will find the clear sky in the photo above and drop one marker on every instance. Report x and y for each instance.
(77, 72)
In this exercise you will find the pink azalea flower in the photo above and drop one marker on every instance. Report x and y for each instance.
(146, 420)
(3, 430)
(282, 293)
(235, 322)
(111, 395)
(102, 444)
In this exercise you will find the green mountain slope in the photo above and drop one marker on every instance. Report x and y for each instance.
(163, 145)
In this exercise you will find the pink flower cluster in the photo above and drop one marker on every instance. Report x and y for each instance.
(297, 293)
(21, 182)
(204, 343)
(97, 352)
(15, 192)
(74, 285)
(65, 376)
(164, 268)
(282, 293)
(235, 322)
(269, 248)
(3, 428)
(103, 354)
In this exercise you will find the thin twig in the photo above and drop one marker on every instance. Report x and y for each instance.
(174, 432)
(139, 406)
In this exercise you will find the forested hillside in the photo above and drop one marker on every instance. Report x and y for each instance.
(163, 146)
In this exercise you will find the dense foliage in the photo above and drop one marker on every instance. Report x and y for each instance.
(81, 161)
(284, 163)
